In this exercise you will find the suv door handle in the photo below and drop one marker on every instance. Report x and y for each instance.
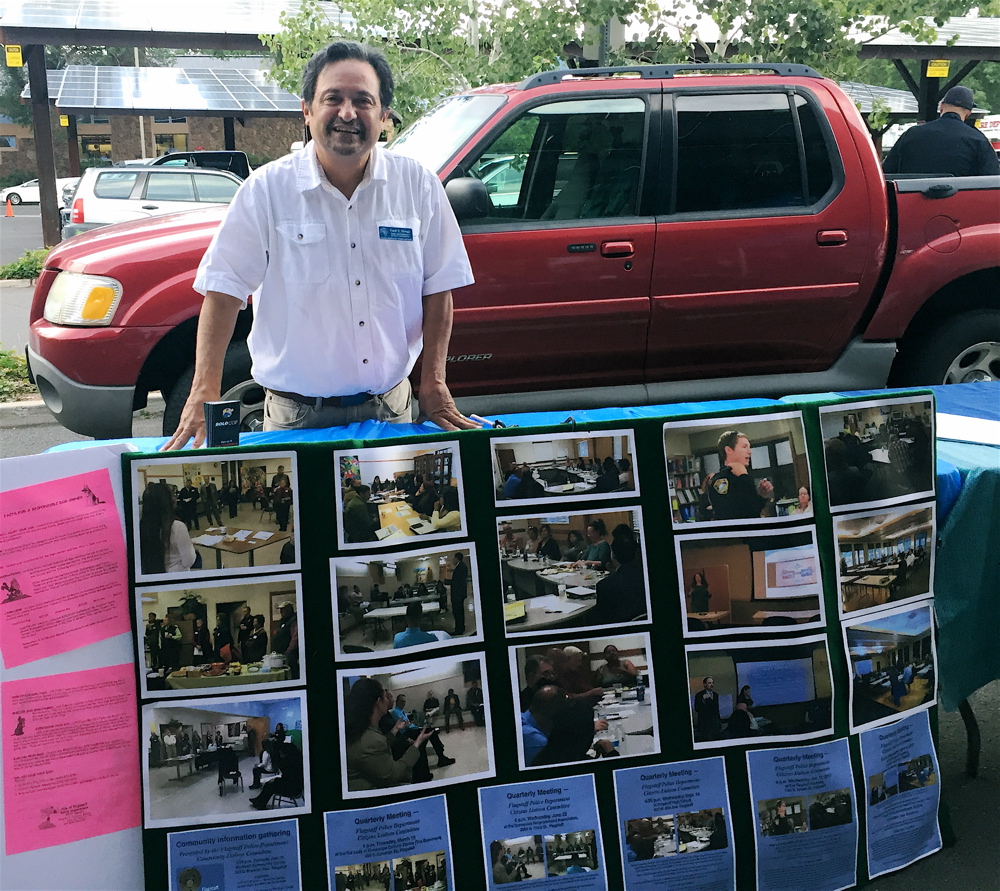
(150, 207)
(831, 236)
(617, 249)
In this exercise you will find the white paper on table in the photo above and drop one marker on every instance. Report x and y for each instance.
(263, 536)
(208, 540)
(243, 534)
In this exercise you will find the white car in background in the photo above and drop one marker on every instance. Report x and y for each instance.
(28, 193)
(109, 195)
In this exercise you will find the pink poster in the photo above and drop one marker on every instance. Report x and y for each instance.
(70, 757)
(63, 568)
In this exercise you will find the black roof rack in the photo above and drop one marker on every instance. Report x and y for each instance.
(657, 72)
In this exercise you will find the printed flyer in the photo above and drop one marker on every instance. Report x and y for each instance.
(806, 834)
(402, 845)
(902, 791)
(52, 795)
(63, 570)
(676, 826)
(547, 832)
(261, 857)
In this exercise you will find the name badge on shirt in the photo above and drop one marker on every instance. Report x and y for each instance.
(395, 233)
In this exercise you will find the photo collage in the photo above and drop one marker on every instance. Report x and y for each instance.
(581, 566)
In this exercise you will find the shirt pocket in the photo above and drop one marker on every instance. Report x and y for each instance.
(303, 252)
(399, 246)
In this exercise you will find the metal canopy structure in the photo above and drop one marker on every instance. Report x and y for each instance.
(901, 103)
(964, 38)
(176, 24)
(207, 92)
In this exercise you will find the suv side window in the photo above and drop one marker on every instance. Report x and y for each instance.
(215, 188)
(114, 184)
(169, 187)
(745, 151)
(567, 160)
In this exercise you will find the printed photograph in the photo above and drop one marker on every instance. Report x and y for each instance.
(213, 637)
(517, 859)
(225, 760)
(735, 583)
(768, 691)
(647, 838)
(736, 470)
(578, 570)
(393, 494)
(828, 809)
(204, 875)
(782, 816)
(703, 830)
(420, 871)
(564, 466)
(419, 725)
(573, 853)
(589, 699)
(885, 556)
(893, 665)
(905, 777)
(420, 599)
(377, 876)
(219, 515)
(878, 452)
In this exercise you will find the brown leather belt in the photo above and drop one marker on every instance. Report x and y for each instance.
(325, 401)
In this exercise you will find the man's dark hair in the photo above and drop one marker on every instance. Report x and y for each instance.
(728, 440)
(624, 548)
(459, 556)
(340, 50)
(414, 611)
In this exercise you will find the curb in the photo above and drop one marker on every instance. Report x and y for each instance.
(33, 412)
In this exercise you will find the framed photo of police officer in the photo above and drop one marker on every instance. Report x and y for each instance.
(736, 471)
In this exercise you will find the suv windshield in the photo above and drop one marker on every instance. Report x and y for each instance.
(434, 137)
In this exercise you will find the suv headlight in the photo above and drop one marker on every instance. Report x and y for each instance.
(86, 300)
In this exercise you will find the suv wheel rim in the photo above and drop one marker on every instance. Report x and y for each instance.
(979, 362)
(250, 395)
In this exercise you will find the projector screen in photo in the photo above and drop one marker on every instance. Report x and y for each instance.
(790, 572)
(779, 681)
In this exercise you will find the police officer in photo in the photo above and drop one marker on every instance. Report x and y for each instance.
(946, 146)
(732, 491)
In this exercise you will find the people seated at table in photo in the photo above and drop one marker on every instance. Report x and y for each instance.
(474, 703)
(556, 729)
(201, 643)
(446, 516)
(699, 593)
(538, 671)
(413, 635)
(621, 597)
(370, 762)
(378, 486)
(528, 486)
(803, 504)
(708, 725)
(546, 545)
(740, 723)
(264, 765)
(411, 731)
(575, 546)
(290, 784)
(403, 592)
(616, 670)
(598, 552)
(453, 708)
(511, 483)
(505, 869)
(846, 481)
(509, 542)
(608, 480)
(376, 595)
(571, 674)
(424, 499)
(164, 543)
(626, 480)
(256, 645)
(360, 523)
(733, 493)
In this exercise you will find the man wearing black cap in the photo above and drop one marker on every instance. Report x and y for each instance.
(946, 145)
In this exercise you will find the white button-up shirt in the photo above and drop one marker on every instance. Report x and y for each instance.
(339, 309)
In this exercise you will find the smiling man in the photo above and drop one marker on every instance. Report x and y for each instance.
(355, 252)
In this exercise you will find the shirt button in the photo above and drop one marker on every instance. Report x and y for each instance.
(352, 244)
(362, 324)
(299, 236)
(364, 361)
(357, 281)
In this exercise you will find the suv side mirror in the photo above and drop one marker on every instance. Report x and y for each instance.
(468, 198)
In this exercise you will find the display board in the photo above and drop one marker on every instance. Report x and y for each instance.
(694, 651)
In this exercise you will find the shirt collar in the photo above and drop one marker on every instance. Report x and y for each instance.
(310, 175)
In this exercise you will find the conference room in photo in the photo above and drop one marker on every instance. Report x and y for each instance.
(885, 556)
(374, 599)
(237, 514)
(762, 582)
(742, 692)
(183, 786)
(395, 494)
(564, 466)
(667, 835)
